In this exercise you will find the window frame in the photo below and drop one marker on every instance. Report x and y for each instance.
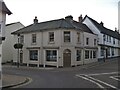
(87, 41)
(78, 52)
(33, 52)
(34, 38)
(95, 42)
(114, 41)
(112, 51)
(78, 37)
(94, 54)
(67, 36)
(87, 55)
(102, 51)
(52, 56)
(51, 38)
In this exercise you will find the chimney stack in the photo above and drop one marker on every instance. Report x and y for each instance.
(101, 23)
(80, 18)
(35, 20)
(69, 18)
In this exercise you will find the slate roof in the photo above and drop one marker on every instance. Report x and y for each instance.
(4, 8)
(105, 30)
(12, 23)
(53, 24)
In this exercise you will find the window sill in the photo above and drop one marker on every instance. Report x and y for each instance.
(33, 43)
(33, 60)
(67, 42)
(51, 42)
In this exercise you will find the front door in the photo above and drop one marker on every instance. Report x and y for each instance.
(67, 58)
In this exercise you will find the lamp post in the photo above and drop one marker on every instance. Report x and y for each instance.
(18, 51)
(18, 46)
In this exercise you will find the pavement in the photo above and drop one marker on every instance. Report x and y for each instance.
(9, 81)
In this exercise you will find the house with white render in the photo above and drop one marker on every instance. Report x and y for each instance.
(60, 43)
(8, 44)
(3, 11)
(108, 40)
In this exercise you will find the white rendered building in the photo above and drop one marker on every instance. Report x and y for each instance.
(59, 43)
(8, 44)
(108, 40)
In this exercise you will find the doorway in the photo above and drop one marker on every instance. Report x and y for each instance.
(67, 58)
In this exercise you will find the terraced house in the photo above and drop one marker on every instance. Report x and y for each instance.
(108, 40)
(60, 43)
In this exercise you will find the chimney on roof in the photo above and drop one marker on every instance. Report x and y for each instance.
(35, 20)
(80, 18)
(116, 30)
(101, 23)
(69, 18)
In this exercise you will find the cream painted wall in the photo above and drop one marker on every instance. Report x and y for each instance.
(43, 43)
(100, 38)
(91, 39)
(8, 44)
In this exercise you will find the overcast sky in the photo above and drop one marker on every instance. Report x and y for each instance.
(24, 11)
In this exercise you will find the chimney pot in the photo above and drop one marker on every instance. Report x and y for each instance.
(101, 23)
(35, 20)
(69, 18)
(80, 18)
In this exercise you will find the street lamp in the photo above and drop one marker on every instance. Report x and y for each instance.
(18, 46)
(18, 50)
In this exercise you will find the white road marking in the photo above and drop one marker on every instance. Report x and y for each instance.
(114, 77)
(103, 83)
(90, 81)
(96, 74)
(97, 81)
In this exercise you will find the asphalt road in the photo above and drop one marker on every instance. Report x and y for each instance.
(105, 75)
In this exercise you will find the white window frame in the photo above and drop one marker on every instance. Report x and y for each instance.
(52, 55)
(34, 37)
(66, 36)
(51, 38)
(78, 37)
(80, 53)
(87, 54)
(33, 57)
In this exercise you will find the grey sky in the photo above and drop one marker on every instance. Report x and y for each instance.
(100, 10)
